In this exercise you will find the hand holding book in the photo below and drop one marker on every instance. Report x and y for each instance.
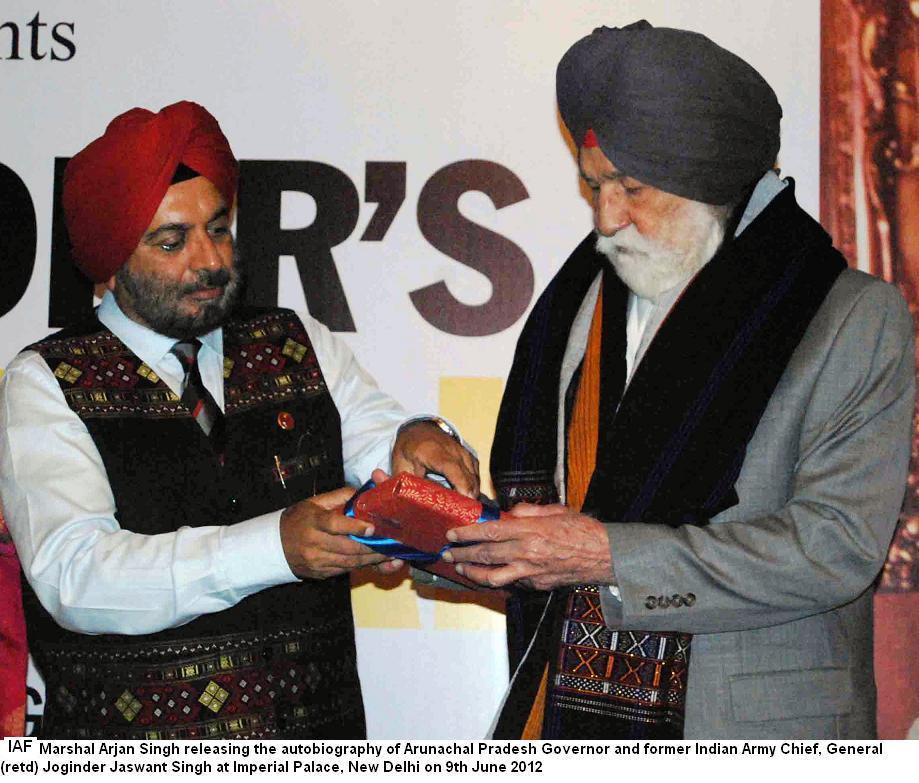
(411, 516)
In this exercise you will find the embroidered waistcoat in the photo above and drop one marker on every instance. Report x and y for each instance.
(280, 663)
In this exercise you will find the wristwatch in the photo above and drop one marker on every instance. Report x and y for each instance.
(441, 424)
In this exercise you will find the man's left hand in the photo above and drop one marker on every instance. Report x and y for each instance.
(422, 447)
(540, 547)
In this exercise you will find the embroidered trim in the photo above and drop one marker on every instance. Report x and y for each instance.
(260, 685)
(267, 359)
(638, 675)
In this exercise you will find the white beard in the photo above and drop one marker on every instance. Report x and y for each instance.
(651, 267)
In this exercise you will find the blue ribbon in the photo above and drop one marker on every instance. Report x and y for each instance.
(394, 548)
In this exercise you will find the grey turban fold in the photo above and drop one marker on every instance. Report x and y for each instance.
(672, 109)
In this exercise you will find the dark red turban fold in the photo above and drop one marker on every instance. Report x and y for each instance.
(114, 186)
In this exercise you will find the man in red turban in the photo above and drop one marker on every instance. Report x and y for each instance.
(113, 187)
(173, 467)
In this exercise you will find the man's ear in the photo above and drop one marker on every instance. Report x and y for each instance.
(110, 284)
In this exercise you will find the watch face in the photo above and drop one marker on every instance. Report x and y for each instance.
(446, 428)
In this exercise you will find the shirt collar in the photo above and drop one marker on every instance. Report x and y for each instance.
(149, 346)
(768, 187)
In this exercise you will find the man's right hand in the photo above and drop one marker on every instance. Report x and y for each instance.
(314, 535)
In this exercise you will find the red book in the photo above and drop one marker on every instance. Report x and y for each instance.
(411, 517)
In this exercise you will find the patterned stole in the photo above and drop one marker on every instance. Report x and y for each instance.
(619, 684)
(605, 684)
(610, 684)
(582, 458)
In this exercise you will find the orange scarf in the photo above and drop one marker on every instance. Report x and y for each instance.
(583, 432)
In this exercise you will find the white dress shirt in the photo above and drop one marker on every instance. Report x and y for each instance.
(94, 577)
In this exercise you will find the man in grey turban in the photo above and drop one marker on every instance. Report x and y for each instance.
(705, 433)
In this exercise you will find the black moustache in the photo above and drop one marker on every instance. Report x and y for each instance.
(214, 278)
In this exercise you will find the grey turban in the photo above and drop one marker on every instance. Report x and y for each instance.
(672, 109)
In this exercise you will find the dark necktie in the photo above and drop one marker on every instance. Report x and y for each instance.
(195, 396)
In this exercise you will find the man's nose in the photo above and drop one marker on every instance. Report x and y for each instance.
(611, 213)
(206, 254)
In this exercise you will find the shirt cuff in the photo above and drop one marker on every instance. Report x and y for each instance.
(611, 608)
(252, 556)
(611, 596)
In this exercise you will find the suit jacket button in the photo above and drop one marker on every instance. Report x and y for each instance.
(690, 599)
(663, 602)
(651, 602)
(676, 599)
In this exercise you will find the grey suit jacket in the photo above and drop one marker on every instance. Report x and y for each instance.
(777, 589)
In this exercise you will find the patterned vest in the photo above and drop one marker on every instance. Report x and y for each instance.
(280, 663)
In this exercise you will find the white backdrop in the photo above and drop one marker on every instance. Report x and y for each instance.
(345, 82)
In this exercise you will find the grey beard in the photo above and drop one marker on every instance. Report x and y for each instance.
(650, 267)
(156, 303)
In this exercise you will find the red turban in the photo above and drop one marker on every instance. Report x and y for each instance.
(114, 186)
